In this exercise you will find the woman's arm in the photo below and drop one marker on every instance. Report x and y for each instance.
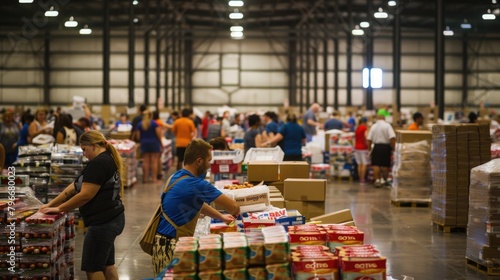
(65, 195)
(88, 191)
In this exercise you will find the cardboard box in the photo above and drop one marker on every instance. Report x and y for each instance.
(277, 185)
(307, 208)
(278, 202)
(262, 171)
(338, 217)
(294, 169)
(305, 189)
(410, 136)
(119, 135)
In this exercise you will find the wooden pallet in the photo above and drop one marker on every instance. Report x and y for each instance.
(447, 228)
(482, 268)
(425, 204)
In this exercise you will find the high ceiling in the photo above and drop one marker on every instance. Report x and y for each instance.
(258, 14)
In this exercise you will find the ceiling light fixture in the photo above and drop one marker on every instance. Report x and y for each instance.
(236, 28)
(236, 15)
(25, 1)
(52, 12)
(357, 31)
(392, 3)
(85, 30)
(380, 14)
(364, 24)
(237, 35)
(465, 25)
(489, 15)
(135, 2)
(136, 20)
(71, 22)
(233, 3)
(448, 31)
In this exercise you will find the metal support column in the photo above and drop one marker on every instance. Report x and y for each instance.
(396, 61)
(315, 57)
(167, 62)
(325, 73)
(349, 57)
(188, 68)
(146, 52)
(180, 49)
(46, 69)
(106, 30)
(158, 64)
(301, 70)
(369, 57)
(439, 59)
(292, 69)
(131, 55)
(465, 72)
(174, 66)
(308, 66)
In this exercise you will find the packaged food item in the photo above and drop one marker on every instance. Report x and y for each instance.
(235, 274)
(339, 238)
(210, 256)
(314, 268)
(280, 271)
(235, 255)
(185, 259)
(184, 276)
(312, 248)
(277, 250)
(210, 275)
(256, 254)
(298, 238)
(257, 273)
(363, 268)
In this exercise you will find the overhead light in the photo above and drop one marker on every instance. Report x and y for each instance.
(489, 15)
(85, 30)
(465, 25)
(236, 3)
(52, 12)
(380, 14)
(25, 1)
(448, 31)
(71, 22)
(364, 24)
(391, 3)
(136, 20)
(237, 35)
(236, 15)
(236, 28)
(135, 2)
(357, 31)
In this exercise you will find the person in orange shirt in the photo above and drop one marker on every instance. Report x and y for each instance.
(418, 120)
(184, 131)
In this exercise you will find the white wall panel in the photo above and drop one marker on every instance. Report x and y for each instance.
(452, 80)
(230, 61)
(23, 60)
(230, 77)
(259, 96)
(263, 79)
(422, 45)
(81, 43)
(210, 96)
(20, 95)
(418, 97)
(453, 63)
(382, 96)
(417, 79)
(206, 79)
(65, 95)
(383, 61)
(209, 61)
(417, 63)
(453, 97)
(382, 46)
(22, 78)
(263, 62)
(75, 61)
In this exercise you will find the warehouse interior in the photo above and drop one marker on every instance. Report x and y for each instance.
(438, 57)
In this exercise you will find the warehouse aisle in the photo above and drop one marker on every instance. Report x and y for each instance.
(403, 234)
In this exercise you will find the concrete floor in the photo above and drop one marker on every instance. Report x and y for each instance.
(403, 234)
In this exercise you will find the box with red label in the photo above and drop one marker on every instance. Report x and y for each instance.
(298, 238)
(339, 238)
(363, 268)
(226, 161)
(313, 268)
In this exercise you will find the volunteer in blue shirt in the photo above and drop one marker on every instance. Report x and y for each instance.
(290, 138)
(186, 196)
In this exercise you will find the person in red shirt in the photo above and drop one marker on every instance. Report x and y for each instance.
(204, 125)
(361, 149)
(418, 119)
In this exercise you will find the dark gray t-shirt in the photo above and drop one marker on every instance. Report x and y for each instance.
(309, 129)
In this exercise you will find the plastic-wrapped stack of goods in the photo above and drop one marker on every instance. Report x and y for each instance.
(166, 156)
(277, 252)
(495, 150)
(361, 262)
(483, 228)
(226, 165)
(320, 171)
(412, 172)
(35, 162)
(127, 150)
(341, 154)
(314, 262)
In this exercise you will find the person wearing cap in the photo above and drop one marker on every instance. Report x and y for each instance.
(383, 138)
(361, 149)
(418, 119)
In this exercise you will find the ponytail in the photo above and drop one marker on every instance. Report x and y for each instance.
(118, 162)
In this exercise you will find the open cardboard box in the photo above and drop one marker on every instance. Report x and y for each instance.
(339, 217)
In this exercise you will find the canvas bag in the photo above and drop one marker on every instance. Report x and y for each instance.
(148, 237)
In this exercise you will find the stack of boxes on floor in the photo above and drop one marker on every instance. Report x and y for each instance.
(127, 150)
(483, 229)
(412, 167)
(455, 151)
(340, 146)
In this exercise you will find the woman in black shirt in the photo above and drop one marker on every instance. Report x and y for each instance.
(97, 194)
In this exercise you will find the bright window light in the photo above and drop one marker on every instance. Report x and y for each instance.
(236, 28)
(372, 78)
(85, 30)
(364, 24)
(357, 31)
(25, 1)
(236, 3)
(237, 34)
(380, 14)
(391, 3)
(71, 22)
(448, 32)
(52, 12)
(236, 15)
(489, 15)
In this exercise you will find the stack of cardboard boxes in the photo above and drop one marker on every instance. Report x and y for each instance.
(412, 170)
(305, 195)
(455, 151)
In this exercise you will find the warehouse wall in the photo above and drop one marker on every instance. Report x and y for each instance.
(248, 74)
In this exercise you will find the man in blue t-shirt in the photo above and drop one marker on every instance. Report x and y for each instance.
(290, 138)
(335, 122)
(309, 121)
(187, 195)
